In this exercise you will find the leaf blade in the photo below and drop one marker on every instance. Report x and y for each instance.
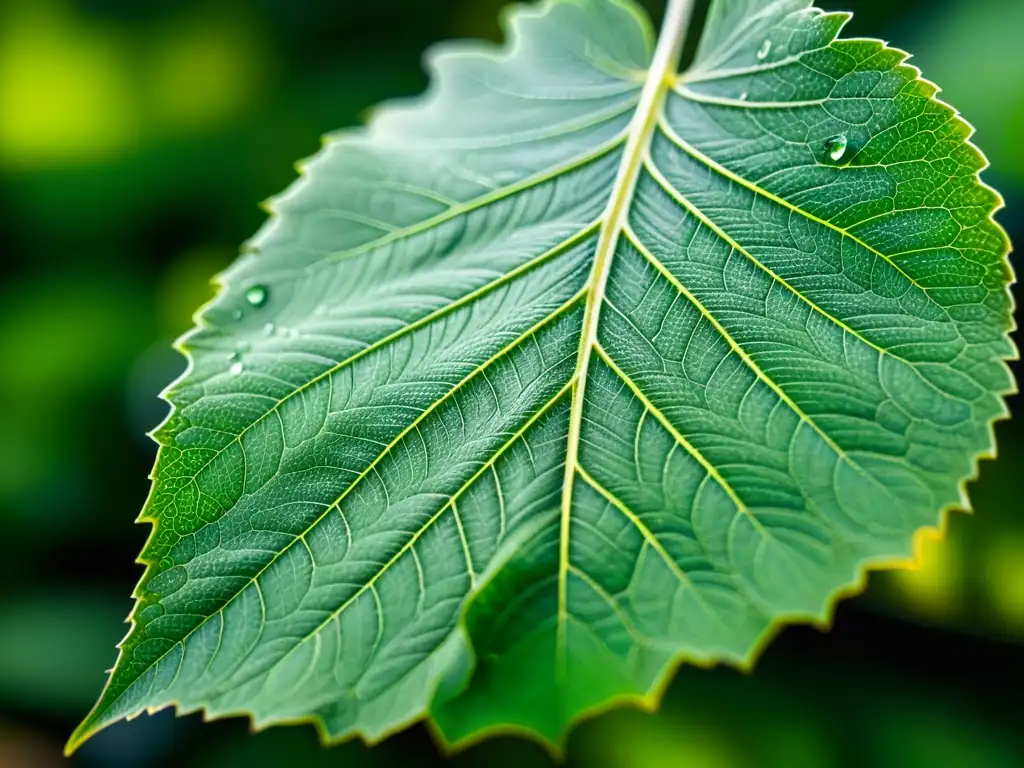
(779, 350)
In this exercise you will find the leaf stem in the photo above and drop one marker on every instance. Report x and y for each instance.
(673, 35)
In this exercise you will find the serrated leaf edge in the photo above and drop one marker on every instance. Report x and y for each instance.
(649, 702)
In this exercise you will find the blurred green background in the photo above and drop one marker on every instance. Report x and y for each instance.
(136, 139)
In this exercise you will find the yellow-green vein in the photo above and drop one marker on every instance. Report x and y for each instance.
(754, 367)
(517, 435)
(682, 200)
(742, 103)
(631, 629)
(483, 201)
(83, 728)
(437, 314)
(652, 541)
(470, 570)
(689, 447)
(750, 186)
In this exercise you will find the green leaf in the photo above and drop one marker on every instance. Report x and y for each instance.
(573, 370)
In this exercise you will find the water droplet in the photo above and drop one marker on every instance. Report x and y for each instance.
(836, 147)
(236, 368)
(257, 295)
(764, 50)
(268, 329)
(237, 314)
(743, 96)
(293, 333)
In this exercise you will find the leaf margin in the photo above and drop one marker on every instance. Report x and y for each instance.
(649, 701)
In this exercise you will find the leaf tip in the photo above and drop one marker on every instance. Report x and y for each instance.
(88, 728)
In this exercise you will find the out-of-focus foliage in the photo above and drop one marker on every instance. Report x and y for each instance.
(988, 84)
(125, 182)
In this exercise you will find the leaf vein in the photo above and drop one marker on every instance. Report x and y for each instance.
(670, 133)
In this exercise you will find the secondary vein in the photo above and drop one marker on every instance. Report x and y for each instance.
(671, 134)
(415, 325)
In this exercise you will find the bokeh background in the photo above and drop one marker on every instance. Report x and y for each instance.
(136, 139)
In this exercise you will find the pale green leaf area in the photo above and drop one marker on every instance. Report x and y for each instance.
(573, 370)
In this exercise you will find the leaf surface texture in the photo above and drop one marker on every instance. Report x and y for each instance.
(572, 370)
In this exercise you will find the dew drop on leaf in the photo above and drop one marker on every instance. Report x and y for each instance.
(268, 329)
(743, 96)
(836, 147)
(764, 50)
(257, 295)
(237, 314)
(236, 368)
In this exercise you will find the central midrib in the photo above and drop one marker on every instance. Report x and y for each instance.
(660, 79)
